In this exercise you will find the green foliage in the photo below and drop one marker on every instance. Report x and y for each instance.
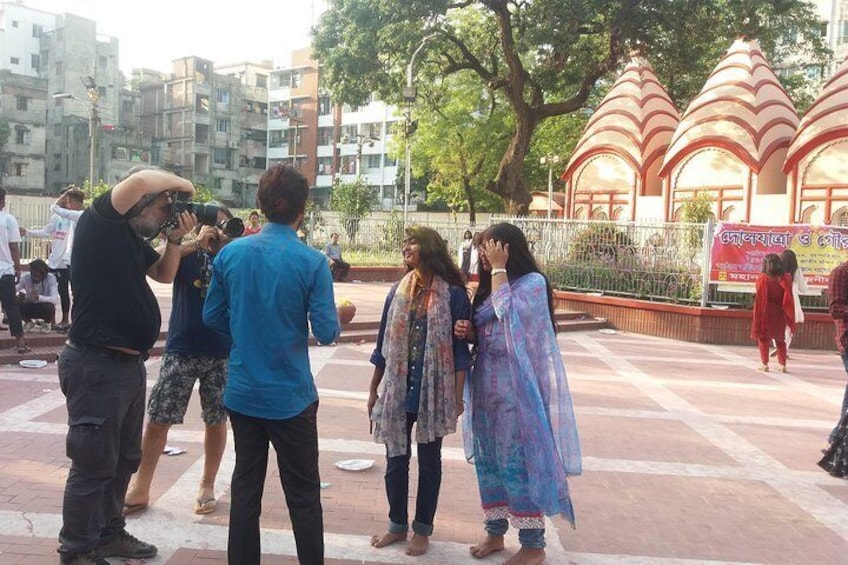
(391, 232)
(353, 200)
(459, 142)
(601, 243)
(545, 58)
(697, 209)
(94, 190)
(677, 285)
(202, 194)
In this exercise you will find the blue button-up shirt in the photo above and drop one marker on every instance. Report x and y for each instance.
(266, 290)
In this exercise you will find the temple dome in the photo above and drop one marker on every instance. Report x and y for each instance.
(742, 109)
(635, 121)
(826, 120)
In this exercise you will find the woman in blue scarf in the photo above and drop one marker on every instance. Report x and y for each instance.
(519, 425)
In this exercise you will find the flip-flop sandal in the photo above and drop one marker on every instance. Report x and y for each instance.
(23, 349)
(133, 508)
(205, 506)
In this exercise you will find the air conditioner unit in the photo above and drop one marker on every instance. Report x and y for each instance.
(233, 144)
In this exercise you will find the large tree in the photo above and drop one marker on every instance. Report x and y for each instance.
(461, 136)
(544, 58)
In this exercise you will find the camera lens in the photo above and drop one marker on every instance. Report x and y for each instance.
(233, 227)
(207, 214)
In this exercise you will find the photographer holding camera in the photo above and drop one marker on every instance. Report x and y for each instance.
(101, 369)
(193, 353)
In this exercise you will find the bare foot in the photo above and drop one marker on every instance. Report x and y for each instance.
(527, 556)
(135, 501)
(387, 539)
(488, 546)
(418, 545)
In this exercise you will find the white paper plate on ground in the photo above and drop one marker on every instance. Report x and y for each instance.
(355, 464)
(32, 363)
(607, 331)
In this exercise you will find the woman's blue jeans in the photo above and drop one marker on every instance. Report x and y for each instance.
(429, 484)
(533, 538)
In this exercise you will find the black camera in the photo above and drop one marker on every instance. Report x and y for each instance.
(207, 215)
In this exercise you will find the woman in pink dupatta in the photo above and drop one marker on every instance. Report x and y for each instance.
(519, 425)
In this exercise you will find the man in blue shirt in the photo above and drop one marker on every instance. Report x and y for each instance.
(266, 291)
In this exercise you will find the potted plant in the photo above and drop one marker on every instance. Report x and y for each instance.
(346, 310)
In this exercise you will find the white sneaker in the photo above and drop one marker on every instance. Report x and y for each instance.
(28, 326)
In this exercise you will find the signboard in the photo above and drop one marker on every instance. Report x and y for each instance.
(738, 250)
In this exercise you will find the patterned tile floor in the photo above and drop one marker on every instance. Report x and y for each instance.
(690, 455)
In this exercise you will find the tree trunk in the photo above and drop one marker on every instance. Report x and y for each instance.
(509, 184)
(472, 205)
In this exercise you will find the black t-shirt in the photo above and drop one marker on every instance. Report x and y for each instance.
(113, 304)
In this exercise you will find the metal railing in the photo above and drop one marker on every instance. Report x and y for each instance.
(649, 260)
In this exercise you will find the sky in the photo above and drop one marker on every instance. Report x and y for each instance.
(152, 33)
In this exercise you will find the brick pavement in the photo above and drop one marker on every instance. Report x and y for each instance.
(690, 456)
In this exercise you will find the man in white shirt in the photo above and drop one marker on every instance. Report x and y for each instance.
(66, 211)
(10, 272)
(38, 294)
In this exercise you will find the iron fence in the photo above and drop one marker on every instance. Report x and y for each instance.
(649, 260)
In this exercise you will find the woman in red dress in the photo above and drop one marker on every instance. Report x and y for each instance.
(774, 311)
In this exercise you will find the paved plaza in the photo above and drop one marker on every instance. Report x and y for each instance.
(690, 456)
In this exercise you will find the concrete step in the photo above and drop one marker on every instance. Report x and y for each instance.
(47, 346)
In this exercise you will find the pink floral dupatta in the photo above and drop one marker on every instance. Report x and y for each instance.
(437, 408)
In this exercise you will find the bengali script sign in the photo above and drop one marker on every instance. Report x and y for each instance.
(738, 250)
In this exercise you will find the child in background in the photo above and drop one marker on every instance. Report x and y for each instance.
(774, 311)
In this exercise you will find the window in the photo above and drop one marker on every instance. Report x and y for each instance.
(21, 135)
(35, 60)
(262, 81)
(325, 166)
(127, 106)
(373, 130)
(119, 153)
(20, 169)
(14, 23)
(219, 156)
(348, 165)
(37, 30)
(101, 91)
(295, 79)
(22, 102)
(371, 161)
(325, 136)
(276, 139)
(14, 60)
(222, 125)
(58, 68)
(349, 134)
(391, 161)
(223, 96)
(325, 107)
(103, 60)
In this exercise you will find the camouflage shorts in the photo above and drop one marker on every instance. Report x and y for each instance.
(172, 391)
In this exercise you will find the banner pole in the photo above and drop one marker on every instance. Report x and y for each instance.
(707, 246)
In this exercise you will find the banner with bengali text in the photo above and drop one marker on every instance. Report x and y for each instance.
(738, 251)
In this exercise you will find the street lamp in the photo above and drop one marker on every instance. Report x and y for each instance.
(93, 119)
(409, 94)
(551, 161)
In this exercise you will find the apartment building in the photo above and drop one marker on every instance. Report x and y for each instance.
(23, 100)
(21, 29)
(330, 143)
(208, 126)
